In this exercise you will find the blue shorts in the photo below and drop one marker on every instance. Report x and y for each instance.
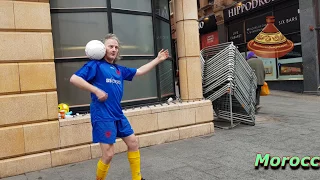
(107, 131)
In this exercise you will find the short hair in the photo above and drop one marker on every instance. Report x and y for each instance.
(114, 37)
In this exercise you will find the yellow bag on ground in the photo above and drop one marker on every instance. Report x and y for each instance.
(265, 90)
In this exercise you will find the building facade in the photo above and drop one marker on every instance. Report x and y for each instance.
(242, 21)
(42, 43)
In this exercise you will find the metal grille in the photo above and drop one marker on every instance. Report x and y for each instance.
(229, 82)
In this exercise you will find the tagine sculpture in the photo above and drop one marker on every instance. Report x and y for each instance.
(270, 42)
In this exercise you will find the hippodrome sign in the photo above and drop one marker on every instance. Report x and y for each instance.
(246, 7)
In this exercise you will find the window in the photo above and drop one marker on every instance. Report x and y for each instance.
(137, 5)
(291, 65)
(166, 78)
(163, 35)
(171, 7)
(254, 26)
(288, 19)
(135, 33)
(67, 92)
(163, 41)
(166, 68)
(133, 90)
(243, 49)
(162, 8)
(236, 33)
(77, 3)
(141, 29)
(73, 30)
(270, 68)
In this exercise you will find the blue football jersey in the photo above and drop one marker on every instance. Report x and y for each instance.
(109, 78)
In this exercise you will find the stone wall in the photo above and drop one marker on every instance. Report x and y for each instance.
(28, 98)
(50, 145)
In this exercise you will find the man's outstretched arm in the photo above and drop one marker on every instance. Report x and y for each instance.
(162, 55)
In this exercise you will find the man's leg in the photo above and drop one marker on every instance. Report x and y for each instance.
(133, 156)
(104, 133)
(126, 132)
(104, 163)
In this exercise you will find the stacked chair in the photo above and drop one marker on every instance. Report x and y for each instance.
(230, 83)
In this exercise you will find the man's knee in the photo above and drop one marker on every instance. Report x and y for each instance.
(107, 153)
(133, 143)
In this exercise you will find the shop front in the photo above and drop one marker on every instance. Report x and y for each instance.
(246, 20)
(208, 32)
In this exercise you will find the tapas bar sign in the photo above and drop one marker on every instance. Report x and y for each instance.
(245, 7)
(236, 33)
(288, 20)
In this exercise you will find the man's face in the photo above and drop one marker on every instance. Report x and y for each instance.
(112, 49)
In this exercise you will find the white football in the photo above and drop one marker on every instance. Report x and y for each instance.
(95, 50)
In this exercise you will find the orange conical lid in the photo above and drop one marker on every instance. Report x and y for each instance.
(270, 27)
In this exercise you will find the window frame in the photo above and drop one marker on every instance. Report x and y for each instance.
(110, 10)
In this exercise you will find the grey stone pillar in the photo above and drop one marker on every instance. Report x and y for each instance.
(309, 40)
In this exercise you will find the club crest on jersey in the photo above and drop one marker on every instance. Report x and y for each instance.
(118, 72)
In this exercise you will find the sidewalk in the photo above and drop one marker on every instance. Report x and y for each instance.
(288, 125)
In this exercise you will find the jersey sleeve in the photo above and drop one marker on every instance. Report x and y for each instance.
(87, 71)
(127, 73)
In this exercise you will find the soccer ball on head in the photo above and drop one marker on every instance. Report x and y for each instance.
(95, 50)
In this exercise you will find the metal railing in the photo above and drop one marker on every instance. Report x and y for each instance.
(230, 83)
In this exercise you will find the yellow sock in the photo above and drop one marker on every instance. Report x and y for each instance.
(134, 160)
(102, 170)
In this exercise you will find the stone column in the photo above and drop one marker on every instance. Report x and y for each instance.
(310, 45)
(188, 46)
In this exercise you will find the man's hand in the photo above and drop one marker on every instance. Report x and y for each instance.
(163, 55)
(101, 95)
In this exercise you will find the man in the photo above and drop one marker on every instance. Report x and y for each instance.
(257, 65)
(104, 79)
